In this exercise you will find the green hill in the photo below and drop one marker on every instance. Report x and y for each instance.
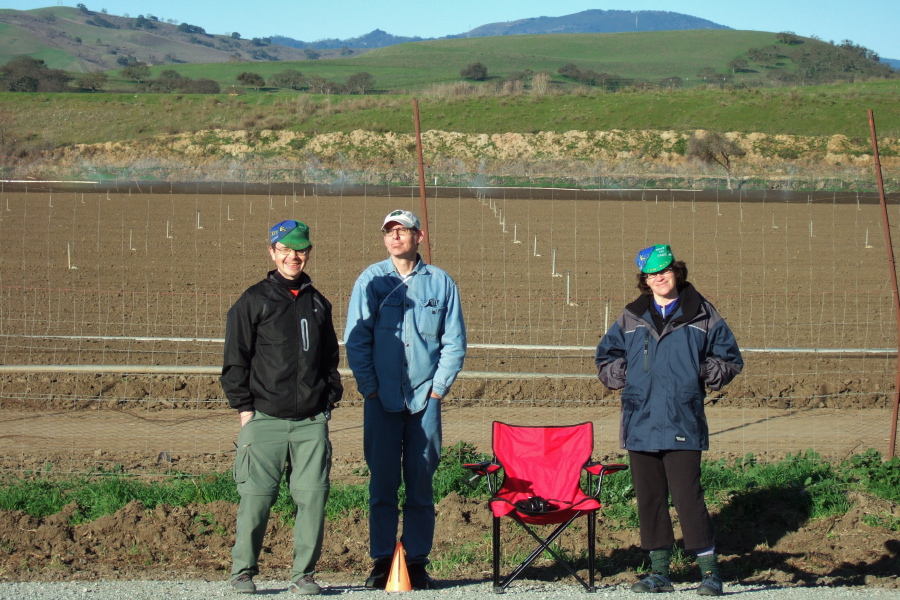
(635, 58)
(77, 40)
(644, 55)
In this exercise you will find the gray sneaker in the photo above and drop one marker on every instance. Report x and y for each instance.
(243, 584)
(710, 586)
(652, 584)
(306, 585)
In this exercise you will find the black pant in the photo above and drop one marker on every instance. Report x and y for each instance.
(655, 476)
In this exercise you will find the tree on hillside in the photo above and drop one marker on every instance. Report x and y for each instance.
(540, 84)
(738, 65)
(287, 79)
(789, 37)
(311, 54)
(188, 28)
(250, 79)
(143, 22)
(712, 147)
(136, 71)
(316, 84)
(768, 56)
(360, 82)
(825, 63)
(168, 81)
(26, 74)
(709, 75)
(320, 85)
(200, 86)
(91, 81)
(475, 71)
(569, 70)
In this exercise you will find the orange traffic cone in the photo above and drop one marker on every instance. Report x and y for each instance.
(398, 579)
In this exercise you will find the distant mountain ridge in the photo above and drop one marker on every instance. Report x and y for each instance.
(596, 21)
(374, 39)
(588, 21)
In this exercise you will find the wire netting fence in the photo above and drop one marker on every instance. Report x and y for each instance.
(113, 301)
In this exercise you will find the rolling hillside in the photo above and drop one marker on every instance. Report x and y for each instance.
(637, 58)
(79, 40)
(75, 40)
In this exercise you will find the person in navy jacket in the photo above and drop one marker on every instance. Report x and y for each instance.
(663, 351)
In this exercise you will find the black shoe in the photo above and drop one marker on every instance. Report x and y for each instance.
(419, 578)
(378, 578)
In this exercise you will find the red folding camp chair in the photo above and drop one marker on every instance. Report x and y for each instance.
(535, 478)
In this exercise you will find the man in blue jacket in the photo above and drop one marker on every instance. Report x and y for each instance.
(663, 351)
(405, 342)
(280, 373)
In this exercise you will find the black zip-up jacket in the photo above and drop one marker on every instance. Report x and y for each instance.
(281, 352)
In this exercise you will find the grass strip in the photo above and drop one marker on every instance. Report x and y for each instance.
(810, 486)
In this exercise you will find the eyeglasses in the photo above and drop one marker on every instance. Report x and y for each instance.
(401, 231)
(658, 274)
(285, 251)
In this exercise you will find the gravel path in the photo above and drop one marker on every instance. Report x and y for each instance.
(196, 590)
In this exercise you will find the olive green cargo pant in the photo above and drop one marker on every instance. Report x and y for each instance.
(266, 447)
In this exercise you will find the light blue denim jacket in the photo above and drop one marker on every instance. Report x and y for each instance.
(405, 338)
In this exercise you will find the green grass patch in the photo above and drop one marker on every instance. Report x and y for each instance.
(67, 119)
(802, 485)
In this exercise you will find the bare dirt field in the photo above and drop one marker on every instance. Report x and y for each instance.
(100, 279)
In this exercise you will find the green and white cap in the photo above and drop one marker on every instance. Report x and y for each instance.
(655, 258)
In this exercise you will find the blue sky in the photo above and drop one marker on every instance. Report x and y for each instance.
(873, 24)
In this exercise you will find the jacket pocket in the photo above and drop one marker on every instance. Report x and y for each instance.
(390, 313)
(629, 404)
(241, 468)
(430, 317)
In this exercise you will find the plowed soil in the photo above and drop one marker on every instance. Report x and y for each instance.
(119, 279)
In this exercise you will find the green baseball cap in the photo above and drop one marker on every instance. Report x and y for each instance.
(655, 258)
(293, 234)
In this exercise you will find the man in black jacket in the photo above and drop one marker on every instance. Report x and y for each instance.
(281, 374)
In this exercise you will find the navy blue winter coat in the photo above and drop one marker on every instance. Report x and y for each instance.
(663, 376)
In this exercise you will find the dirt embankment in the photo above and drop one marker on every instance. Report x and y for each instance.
(578, 153)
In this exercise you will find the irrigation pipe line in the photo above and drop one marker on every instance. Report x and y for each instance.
(533, 347)
(208, 370)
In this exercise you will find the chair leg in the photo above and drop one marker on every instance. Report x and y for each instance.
(592, 550)
(544, 545)
(497, 587)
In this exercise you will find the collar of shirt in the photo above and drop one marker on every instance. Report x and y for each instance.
(666, 310)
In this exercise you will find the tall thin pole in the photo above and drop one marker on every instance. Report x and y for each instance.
(422, 182)
(893, 267)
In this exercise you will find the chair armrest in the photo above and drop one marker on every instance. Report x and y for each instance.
(487, 469)
(599, 470)
(483, 469)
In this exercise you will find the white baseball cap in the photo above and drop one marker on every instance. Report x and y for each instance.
(403, 217)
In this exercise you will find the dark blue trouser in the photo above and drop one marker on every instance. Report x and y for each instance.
(400, 445)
